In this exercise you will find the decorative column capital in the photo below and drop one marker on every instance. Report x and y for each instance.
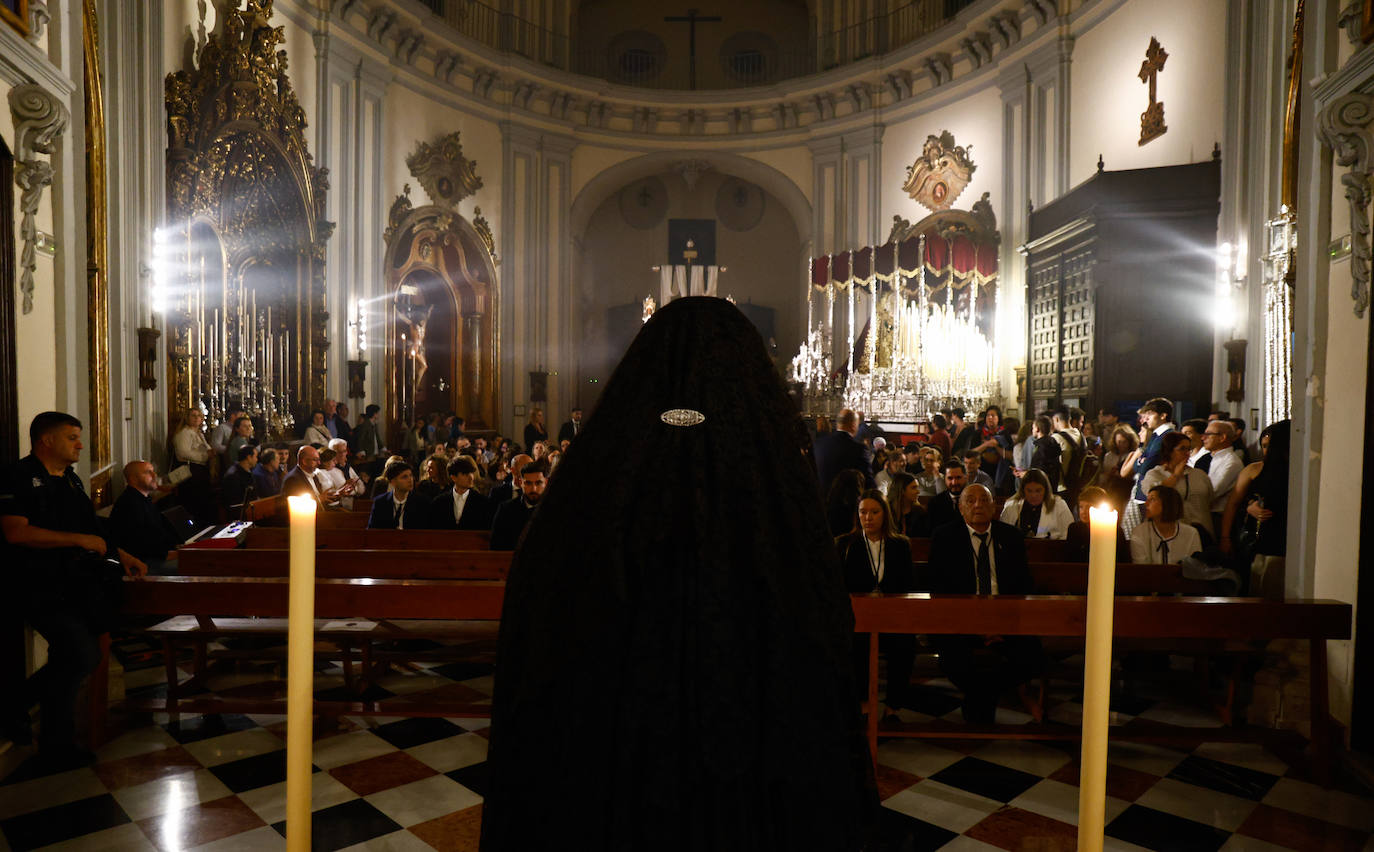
(1345, 128)
(39, 121)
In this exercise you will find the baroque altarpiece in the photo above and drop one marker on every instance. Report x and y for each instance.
(242, 283)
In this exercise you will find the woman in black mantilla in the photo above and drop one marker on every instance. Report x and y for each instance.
(673, 667)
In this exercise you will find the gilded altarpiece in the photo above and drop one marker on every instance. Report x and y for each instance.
(441, 346)
(245, 310)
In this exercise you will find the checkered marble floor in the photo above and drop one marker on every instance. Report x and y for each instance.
(218, 783)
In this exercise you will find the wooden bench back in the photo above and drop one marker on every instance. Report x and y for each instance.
(265, 538)
(382, 564)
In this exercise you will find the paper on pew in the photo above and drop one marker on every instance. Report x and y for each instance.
(354, 624)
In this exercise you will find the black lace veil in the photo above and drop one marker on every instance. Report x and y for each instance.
(673, 670)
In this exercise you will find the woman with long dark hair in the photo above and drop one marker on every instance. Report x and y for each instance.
(903, 498)
(1260, 501)
(876, 558)
(1035, 510)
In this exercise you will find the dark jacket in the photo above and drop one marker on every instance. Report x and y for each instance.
(138, 527)
(566, 432)
(235, 486)
(383, 517)
(1045, 457)
(952, 563)
(296, 483)
(267, 482)
(943, 509)
(898, 575)
(836, 452)
(509, 523)
(476, 512)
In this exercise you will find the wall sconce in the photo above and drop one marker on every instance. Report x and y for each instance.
(147, 357)
(357, 379)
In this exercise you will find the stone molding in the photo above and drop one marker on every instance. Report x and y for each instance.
(39, 121)
(1345, 127)
(983, 37)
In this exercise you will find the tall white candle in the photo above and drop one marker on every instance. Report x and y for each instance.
(300, 671)
(1097, 671)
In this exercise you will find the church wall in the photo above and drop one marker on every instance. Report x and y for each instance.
(588, 161)
(616, 260)
(1108, 98)
(795, 162)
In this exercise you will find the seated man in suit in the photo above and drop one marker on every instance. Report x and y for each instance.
(400, 507)
(302, 480)
(506, 490)
(137, 525)
(512, 515)
(460, 507)
(982, 556)
(943, 508)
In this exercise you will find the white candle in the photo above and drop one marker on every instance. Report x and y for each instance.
(300, 672)
(1097, 671)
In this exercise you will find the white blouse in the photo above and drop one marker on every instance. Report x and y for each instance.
(1054, 521)
(1146, 541)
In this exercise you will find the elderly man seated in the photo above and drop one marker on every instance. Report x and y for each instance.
(983, 556)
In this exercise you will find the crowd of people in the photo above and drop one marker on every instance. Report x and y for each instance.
(1193, 494)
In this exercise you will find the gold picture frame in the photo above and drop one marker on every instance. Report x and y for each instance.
(16, 14)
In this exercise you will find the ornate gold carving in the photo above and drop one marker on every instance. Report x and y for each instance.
(483, 229)
(445, 174)
(1152, 119)
(1288, 182)
(940, 174)
(97, 262)
(237, 163)
(400, 209)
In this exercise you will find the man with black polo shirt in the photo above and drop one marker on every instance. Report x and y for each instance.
(52, 541)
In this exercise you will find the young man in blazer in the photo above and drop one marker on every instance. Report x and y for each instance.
(943, 508)
(400, 507)
(461, 507)
(982, 556)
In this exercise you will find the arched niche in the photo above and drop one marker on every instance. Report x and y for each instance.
(440, 318)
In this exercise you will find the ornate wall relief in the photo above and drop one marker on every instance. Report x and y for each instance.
(39, 121)
(248, 323)
(940, 174)
(1345, 126)
(1152, 119)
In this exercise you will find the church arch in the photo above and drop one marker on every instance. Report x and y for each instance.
(615, 178)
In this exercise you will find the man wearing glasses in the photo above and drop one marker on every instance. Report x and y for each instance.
(1224, 468)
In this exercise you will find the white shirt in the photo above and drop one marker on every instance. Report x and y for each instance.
(400, 511)
(459, 501)
(973, 536)
(876, 550)
(1197, 454)
(1054, 522)
(1224, 470)
(1145, 541)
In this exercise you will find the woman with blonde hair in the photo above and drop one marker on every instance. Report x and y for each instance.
(190, 448)
(535, 430)
(1035, 510)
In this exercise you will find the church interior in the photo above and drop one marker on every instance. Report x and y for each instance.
(455, 216)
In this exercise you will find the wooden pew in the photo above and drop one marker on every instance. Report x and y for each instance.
(395, 609)
(1133, 618)
(263, 538)
(347, 564)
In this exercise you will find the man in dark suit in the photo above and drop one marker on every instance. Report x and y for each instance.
(512, 515)
(841, 450)
(943, 508)
(301, 480)
(506, 491)
(982, 556)
(460, 507)
(572, 427)
(137, 525)
(400, 507)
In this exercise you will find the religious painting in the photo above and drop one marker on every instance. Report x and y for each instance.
(692, 241)
(16, 14)
(940, 174)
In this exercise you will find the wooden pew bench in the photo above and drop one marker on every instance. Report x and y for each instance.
(364, 539)
(1149, 618)
(444, 610)
(348, 564)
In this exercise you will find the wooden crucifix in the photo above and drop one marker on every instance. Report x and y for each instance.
(1152, 119)
(691, 19)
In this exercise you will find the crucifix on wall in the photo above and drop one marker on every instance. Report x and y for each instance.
(691, 19)
(1152, 119)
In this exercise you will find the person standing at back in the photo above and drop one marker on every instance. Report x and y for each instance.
(841, 450)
